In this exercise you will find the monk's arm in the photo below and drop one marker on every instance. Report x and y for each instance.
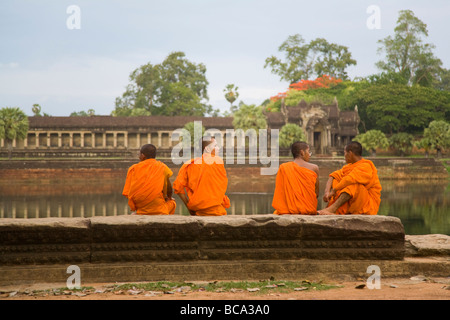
(185, 200)
(316, 170)
(169, 191)
(360, 175)
(328, 190)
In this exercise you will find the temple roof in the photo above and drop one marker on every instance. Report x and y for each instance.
(162, 122)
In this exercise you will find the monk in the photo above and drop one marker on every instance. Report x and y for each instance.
(202, 182)
(354, 189)
(147, 185)
(297, 183)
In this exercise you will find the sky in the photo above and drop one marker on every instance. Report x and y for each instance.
(66, 62)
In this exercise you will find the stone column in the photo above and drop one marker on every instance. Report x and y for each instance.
(159, 139)
(104, 140)
(93, 139)
(115, 139)
(125, 140)
(59, 139)
(37, 139)
(48, 140)
(71, 139)
(82, 139)
(25, 142)
(149, 138)
(138, 140)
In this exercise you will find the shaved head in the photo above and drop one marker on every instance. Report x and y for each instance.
(149, 151)
(297, 147)
(354, 147)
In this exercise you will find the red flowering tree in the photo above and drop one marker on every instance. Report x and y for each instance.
(324, 81)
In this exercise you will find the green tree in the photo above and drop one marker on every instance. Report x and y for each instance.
(406, 52)
(36, 110)
(176, 86)
(304, 60)
(438, 134)
(289, 134)
(249, 117)
(372, 140)
(231, 94)
(443, 80)
(13, 125)
(402, 142)
(397, 107)
(424, 143)
(190, 128)
(89, 113)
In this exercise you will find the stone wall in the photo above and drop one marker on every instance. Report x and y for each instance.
(180, 238)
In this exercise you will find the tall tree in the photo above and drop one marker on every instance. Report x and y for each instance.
(249, 117)
(406, 52)
(176, 86)
(13, 125)
(231, 94)
(306, 60)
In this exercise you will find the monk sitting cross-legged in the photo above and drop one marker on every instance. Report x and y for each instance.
(354, 189)
(205, 181)
(147, 186)
(297, 183)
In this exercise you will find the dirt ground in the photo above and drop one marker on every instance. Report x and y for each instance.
(391, 289)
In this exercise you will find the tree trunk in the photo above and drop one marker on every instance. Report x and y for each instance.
(374, 153)
(439, 153)
(9, 146)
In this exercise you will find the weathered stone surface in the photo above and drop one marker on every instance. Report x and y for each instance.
(185, 238)
(427, 245)
(49, 240)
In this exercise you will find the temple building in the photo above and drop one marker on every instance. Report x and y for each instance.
(327, 130)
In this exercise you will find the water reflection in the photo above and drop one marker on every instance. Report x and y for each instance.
(423, 206)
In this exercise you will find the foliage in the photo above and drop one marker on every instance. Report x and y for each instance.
(13, 125)
(289, 134)
(400, 108)
(438, 134)
(407, 54)
(174, 87)
(249, 117)
(402, 142)
(303, 61)
(231, 94)
(323, 81)
(190, 128)
(372, 140)
(90, 112)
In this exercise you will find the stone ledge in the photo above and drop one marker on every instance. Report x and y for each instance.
(121, 239)
(427, 245)
(244, 270)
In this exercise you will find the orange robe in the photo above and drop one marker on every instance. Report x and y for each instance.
(360, 181)
(295, 190)
(145, 187)
(205, 181)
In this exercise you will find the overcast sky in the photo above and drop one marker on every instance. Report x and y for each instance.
(44, 61)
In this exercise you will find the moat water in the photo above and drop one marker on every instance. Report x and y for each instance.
(422, 205)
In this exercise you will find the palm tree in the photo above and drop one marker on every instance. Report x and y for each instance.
(13, 125)
(231, 95)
